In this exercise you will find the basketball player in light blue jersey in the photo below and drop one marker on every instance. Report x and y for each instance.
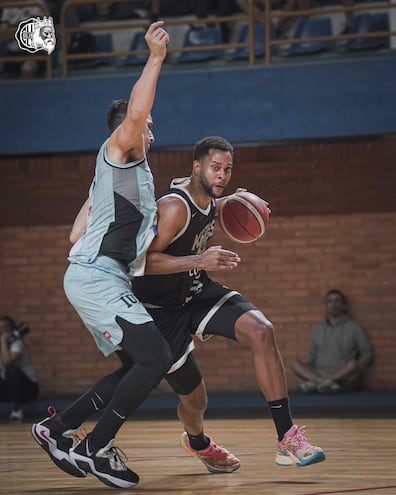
(120, 228)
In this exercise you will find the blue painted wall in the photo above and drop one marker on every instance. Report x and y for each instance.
(284, 102)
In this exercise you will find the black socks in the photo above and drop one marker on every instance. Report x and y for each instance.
(198, 442)
(281, 415)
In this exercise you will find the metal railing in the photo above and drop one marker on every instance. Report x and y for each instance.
(268, 16)
(143, 24)
(25, 56)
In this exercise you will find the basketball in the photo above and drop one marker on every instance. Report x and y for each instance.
(244, 217)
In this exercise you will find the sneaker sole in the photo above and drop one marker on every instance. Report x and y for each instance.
(62, 461)
(88, 465)
(285, 460)
(210, 468)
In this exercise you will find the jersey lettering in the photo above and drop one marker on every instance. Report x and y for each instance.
(201, 239)
(177, 289)
(199, 246)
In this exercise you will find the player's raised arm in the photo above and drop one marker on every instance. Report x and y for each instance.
(126, 142)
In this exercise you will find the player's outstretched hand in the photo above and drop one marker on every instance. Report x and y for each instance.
(157, 38)
(216, 258)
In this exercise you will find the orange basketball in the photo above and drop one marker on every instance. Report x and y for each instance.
(244, 217)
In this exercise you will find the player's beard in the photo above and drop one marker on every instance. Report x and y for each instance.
(207, 188)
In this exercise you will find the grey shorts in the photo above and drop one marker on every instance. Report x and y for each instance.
(100, 292)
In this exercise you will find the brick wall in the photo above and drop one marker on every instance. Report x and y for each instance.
(333, 225)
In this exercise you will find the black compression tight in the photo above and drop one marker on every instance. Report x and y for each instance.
(94, 400)
(151, 358)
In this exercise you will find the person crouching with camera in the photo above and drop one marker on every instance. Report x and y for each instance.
(18, 382)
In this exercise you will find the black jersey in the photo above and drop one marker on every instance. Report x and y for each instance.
(175, 290)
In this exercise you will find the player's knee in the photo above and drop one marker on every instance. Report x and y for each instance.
(195, 407)
(155, 371)
(165, 359)
(146, 347)
(260, 335)
(195, 402)
(200, 404)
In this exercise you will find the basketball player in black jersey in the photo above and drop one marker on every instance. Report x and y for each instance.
(183, 300)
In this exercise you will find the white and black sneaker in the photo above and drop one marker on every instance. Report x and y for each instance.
(52, 436)
(107, 464)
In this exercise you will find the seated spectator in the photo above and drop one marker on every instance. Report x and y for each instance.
(339, 351)
(18, 382)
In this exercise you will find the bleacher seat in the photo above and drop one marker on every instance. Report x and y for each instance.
(101, 43)
(311, 28)
(138, 43)
(202, 36)
(104, 43)
(367, 23)
(259, 41)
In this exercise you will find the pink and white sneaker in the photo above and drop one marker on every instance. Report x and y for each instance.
(216, 458)
(294, 448)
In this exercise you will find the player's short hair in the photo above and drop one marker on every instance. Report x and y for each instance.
(202, 147)
(116, 113)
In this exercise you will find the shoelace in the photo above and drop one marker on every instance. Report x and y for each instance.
(76, 435)
(300, 437)
(218, 449)
(118, 456)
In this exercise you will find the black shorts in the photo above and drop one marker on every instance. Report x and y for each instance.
(214, 311)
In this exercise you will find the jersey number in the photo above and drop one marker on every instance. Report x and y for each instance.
(129, 300)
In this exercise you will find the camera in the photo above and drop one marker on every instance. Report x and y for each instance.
(21, 330)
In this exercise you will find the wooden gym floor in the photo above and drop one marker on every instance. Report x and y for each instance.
(361, 456)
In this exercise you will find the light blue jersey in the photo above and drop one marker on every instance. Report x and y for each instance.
(123, 213)
(120, 227)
